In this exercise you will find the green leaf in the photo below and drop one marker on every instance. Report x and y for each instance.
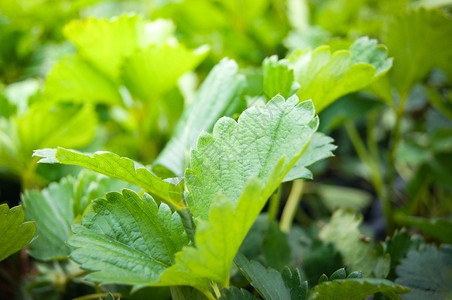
(324, 77)
(237, 294)
(439, 228)
(268, 282)
(427, 272)
(292, 280)
(52, 210)
(127, 239)
(418, 40)
(105, 43)
(334, 196)
(55, 208)
(357, 289)
(225, 161)
(275, 247)
(278, 78)
(14, 232)
(218, 239)
(343, 232)
(122, 168)
(151, 72)
(219, 94)
(397, 247)
(75, 79)
(320, 147)
(52, 126)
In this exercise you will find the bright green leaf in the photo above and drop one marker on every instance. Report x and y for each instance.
(278, 78)
(76, 80)
(324, 77)
(218, 95)
(122, 168)
(237, 151)
(427, 272)
(48, 126)
(218, 239)
(127, 239)
(320, 147)
(14, 232)
(105, 43)
(153, 71)
(343, 232)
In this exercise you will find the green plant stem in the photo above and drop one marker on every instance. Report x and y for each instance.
(390, 169)
(291, 206)
(274, 205)
(371, 162)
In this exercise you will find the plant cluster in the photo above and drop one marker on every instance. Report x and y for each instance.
(166, 150)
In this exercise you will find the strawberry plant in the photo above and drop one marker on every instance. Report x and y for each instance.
(225, 150)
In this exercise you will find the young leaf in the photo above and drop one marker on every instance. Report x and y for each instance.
(357, 289)
(219, 94)
(268, 282)
(49, 126)
(225, 161)
(278, 78)
(343, 232)
(427, 272)
(324, 77)
(14, 232)
(74, 79)
(121, 37)
(320, 147)
(127, 239)
(151, 72)
(397, 247)
(112, 165)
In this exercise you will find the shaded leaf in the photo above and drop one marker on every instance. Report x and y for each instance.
(427, 272)
(268, 282)
(439, 228)
(343, 232)
(357, 289)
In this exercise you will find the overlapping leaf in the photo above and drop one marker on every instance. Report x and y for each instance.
(14, 232)
(343, 232)
(151, 72)
(55, 208)
(219, 95)
(324, 76)
(127, 239)
(237, 151)
(113, 165)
